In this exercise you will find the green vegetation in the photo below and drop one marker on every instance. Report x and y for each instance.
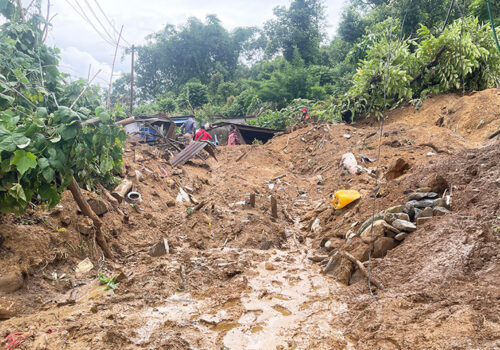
(110, 282)
(397, 52)
(43, 142)
(201, 68)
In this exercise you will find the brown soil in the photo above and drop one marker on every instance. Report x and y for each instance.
(236, 278)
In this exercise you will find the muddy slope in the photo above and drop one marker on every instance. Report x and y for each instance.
(237, 278)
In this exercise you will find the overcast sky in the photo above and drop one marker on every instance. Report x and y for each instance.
(82, 46)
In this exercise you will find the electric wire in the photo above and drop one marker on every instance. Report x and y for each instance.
(99, 21)
(86, 19)
(110, 23)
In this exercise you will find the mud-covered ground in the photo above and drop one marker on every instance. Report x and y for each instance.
(236, 278)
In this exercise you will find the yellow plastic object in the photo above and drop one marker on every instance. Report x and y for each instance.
(342, 198)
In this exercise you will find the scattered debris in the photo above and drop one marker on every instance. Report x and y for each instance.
(343, 198)
(84, 266)
(350, 164)
(160, 249)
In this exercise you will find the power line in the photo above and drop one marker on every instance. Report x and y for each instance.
(86, 19)
(110, 23)
(99, 21)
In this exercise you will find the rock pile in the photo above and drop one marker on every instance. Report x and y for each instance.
(397, 222)
(385, 231)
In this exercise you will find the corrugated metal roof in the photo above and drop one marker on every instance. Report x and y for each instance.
(245, 127)
(190, 151)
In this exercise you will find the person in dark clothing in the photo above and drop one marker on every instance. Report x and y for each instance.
(188, 129)
(203, 134)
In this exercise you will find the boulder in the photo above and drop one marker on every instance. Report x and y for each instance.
(440, 211)
(10, 282)
(423, 189)
(382, 245)
(390, 217)
(421, 221)
(350, 164)
(426, 213)
(368, 222)
(423, 203)
(84, 226)
(410, 209)
(98, 206)
(416, 196)
(404, 225)
(380, 227)
(357, 248)
(397, 169)
(440, 202)
(422, 195)
(395, 209)
(401, 237)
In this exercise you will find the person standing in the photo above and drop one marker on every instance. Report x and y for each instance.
(233, 139)
(203, 134)
(188, 129)
(305, 115)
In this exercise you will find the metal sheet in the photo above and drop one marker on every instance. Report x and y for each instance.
(189, 152)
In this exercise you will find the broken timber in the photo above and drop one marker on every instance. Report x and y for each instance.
(192, 150)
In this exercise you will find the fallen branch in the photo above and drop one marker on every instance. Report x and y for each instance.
(362, 268)
(430, 65)
(240, 157)
(494, 134)
(114, 202)
(277, 178)
(287, 215)
(198, 207)
(87, 211)
(437, 150)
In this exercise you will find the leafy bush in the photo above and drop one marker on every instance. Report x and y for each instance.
(41, 152)
(466, 47)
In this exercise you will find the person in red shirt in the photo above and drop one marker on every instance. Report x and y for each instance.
(203, 134)
(305, 115)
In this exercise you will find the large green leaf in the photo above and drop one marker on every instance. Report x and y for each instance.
(48, 193)
(17, 192)
(23, 161)
(48, 174)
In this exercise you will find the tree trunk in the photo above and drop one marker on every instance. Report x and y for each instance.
(87, 211)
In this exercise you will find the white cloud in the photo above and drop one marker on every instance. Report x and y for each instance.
(81, 45)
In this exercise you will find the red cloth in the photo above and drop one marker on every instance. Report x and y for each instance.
(202, 135)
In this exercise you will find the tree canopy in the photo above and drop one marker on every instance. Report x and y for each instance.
(205, 69)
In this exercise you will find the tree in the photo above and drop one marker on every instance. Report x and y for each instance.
(300, 26)
(196, 50)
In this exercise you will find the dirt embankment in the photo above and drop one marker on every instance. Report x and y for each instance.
(237, 278)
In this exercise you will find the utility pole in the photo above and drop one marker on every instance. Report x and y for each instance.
(132, 83)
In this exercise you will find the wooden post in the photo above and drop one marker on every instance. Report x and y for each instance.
(274, 207)
(252, 200)
(132, 83)
(87, 211)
